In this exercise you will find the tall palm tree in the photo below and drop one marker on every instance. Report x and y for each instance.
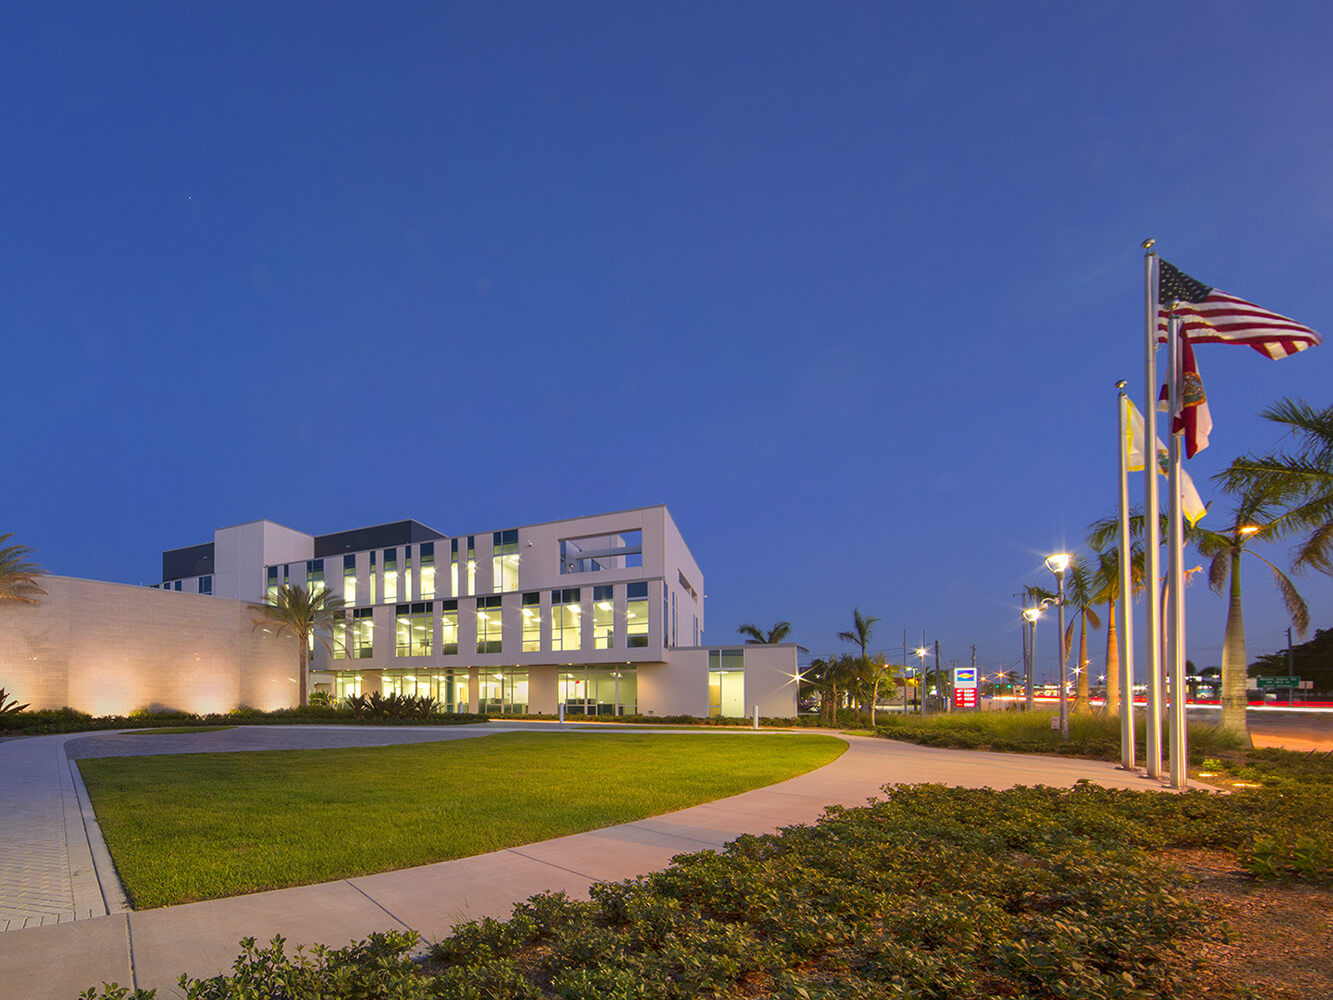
(1253, 519)
(18, 576)
(1080, 596)
(758, 637)
(863, 629)
(1106, 583)
(306, 615)
(1299, 482)
(879, 670)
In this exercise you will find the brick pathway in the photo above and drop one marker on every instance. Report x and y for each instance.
(46, 864)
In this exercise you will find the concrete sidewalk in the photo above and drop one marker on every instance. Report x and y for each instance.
(152, 948)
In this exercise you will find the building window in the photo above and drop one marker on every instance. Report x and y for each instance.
(271, 584)
(427, 570)
(453, 687)
(372, 578)
(599, 691)
(532, 623)
(675, 641)
(488, 624)
(726, 683)
(449, 628)
(390, 575)
(176, 585)
(504, 692)
(471, 564)
(666, 614)
(453, 567)
(314, 576)
(407, 573)
(636, 615)
(205, 585)
(603, 618)
(349, 580)
(595, 553)
(566, 620)
(363, 633)
(340, 638)
(504, 561)
(413, 631)
(346, 685)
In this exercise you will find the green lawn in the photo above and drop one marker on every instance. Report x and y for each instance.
(185, 827)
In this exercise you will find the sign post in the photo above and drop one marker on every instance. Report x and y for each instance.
(965, 687)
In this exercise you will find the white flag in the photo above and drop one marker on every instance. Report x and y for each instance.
(1189, 496)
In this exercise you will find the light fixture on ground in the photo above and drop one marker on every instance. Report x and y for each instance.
(1057, 564)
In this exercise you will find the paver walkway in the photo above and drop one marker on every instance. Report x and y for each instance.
(150, 948)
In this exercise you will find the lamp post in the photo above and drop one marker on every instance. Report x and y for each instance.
(1057, 564)
(1030, 615)
(923, 652)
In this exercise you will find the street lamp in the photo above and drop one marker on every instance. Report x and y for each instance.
(1030, 615)
(1057, 564)
(923, 652)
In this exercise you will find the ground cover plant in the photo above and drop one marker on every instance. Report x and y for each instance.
(1096, 736)
(185, 827)
(932, 892)
(68, 720)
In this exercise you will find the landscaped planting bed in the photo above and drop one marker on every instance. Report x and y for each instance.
(934, 892)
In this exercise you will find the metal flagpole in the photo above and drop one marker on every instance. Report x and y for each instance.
(1151, 512)
(1175, 656)
(1126, 664)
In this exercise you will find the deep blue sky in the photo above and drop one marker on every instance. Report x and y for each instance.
(846, 286)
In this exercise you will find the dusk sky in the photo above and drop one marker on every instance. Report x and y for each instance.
(846, 286)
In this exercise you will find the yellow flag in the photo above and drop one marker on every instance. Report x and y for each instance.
(1135, 438)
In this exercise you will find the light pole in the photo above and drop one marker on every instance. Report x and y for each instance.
(1057, 564)
(923, 652)
(1030, 615)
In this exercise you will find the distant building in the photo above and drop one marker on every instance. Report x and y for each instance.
(603, 615)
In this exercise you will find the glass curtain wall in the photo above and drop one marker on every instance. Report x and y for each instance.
(363, 633)
(599, 691)
(488, 624)
(414, 628)
(504, 692)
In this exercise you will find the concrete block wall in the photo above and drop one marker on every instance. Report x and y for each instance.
(111, 649)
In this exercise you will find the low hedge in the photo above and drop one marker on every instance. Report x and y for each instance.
(67, 720)
(932, 892)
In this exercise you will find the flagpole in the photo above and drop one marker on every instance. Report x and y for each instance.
(1175, 657)
(1126, 664)
(1151, 509)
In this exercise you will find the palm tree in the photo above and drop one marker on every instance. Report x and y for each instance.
(1253, 518)
(1080, 595)
(879, 669)
(1299, 482)
(1106, 582)
(862, 631)
(758, 637)
(863, 628)
(306, 615)
(18, 576)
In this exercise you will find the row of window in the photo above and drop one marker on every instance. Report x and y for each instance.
(416, 625)
(582, 691)
(390, 578)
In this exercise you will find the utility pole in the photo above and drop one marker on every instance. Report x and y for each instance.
(1291, 669)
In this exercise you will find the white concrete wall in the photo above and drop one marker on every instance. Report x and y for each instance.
(241, 552)
(770, 680)
(110, 649)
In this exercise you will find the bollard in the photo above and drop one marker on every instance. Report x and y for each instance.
(756, 717)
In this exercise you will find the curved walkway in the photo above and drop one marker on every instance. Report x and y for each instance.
(69, 931)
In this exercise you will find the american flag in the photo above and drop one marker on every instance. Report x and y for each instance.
(1208, 316)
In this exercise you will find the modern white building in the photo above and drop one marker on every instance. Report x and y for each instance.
(603, 615)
